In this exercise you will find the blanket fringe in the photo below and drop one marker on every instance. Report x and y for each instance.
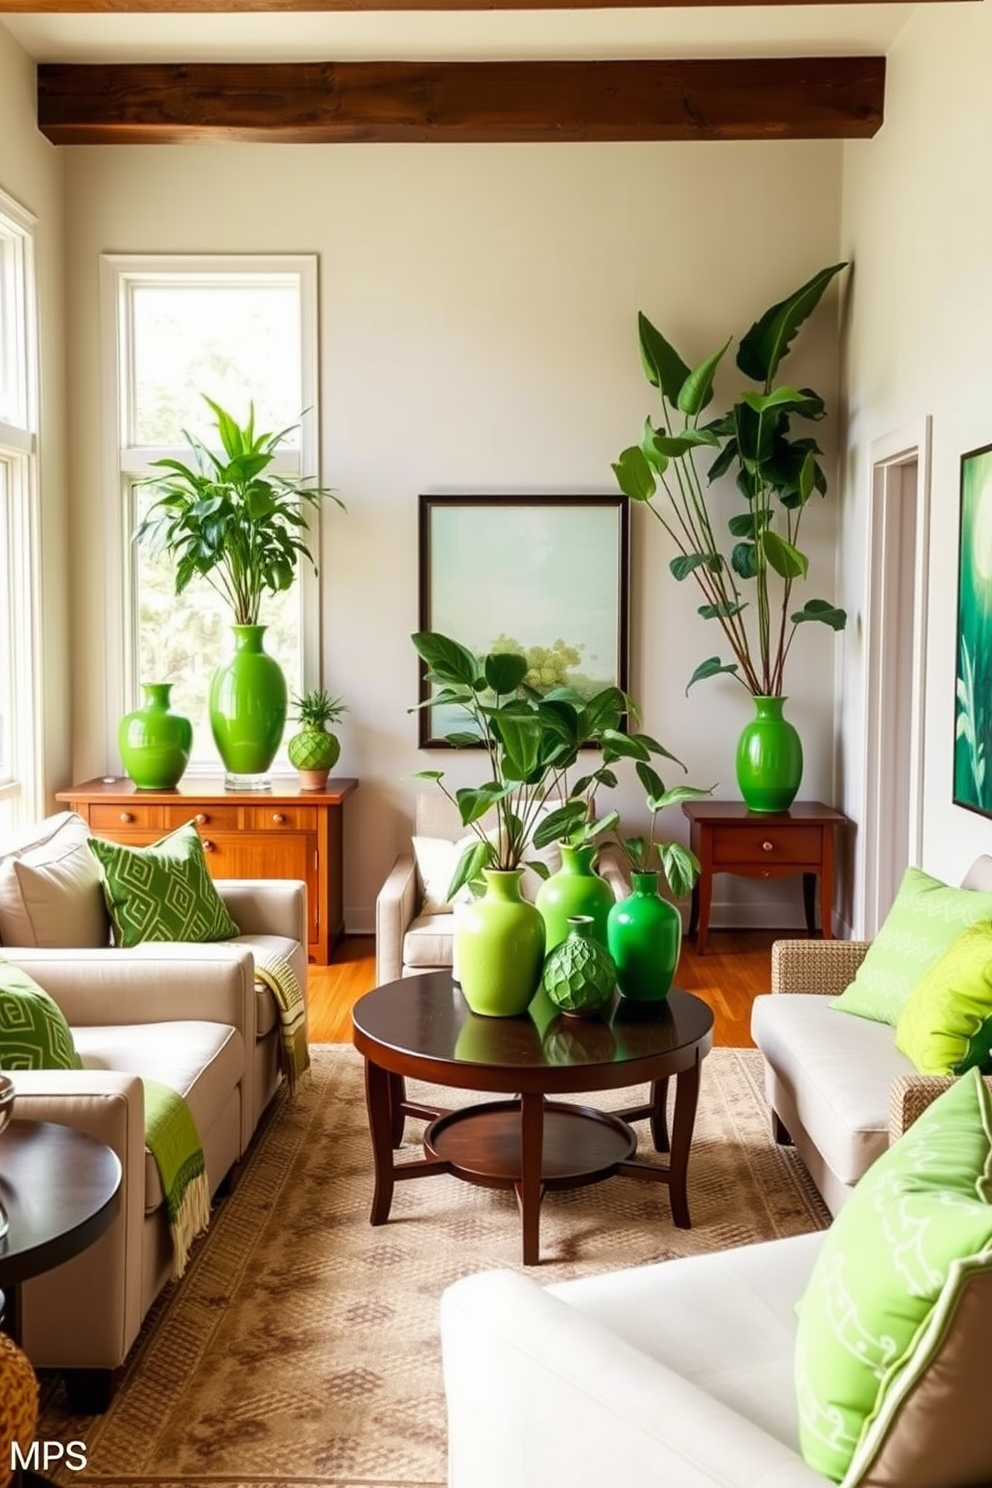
(191, 1220)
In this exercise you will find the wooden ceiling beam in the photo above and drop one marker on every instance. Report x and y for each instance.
(461, 102)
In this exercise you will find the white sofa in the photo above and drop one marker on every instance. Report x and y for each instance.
(830, 1077)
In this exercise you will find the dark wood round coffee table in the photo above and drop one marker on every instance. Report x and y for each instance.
(421, 1027)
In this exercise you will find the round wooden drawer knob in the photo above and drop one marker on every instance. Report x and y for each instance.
(768, 847)
(278, 818)
(208, 847)
(201, 820)
(126, 817)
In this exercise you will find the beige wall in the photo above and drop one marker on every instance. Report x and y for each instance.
(478, 332)
(917, 218)
(32, 171)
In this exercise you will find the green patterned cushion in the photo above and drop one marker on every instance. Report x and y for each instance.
(33, 1030)
(946, 1025)
(162, 892)
(892, 1343)
(926, 916)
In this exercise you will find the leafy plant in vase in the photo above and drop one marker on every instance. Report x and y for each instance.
(314, 750)
(231, 520)
(776, 473)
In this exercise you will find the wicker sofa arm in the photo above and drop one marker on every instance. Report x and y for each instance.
(824, 966)
(909, 1096)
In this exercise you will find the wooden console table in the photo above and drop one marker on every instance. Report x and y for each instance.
(284, 832)
(728, 838)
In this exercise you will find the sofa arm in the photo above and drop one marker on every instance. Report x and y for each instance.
(395, 908)
(825, 966)
(909, 1096)
(541, 1396)
(267, 906)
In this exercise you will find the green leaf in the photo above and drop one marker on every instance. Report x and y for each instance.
(504, 670)
(785, 559)
(434, 775)
(448, 660)
(769, 339)
(623, 746)
(807, 477)
(634, 475)
(650, 780)
(683, 564)
(679, 793)
(676, 445)
(474, 801)
(558, 824)
(823, 611)
(786, 399)
(725, 608)
(659, 463)
(681, 867)
(520, 736)
(604, 711)
(659, 749)
(744, 560)
(471, 863)
(748, 524)
(711, 667)
(462, 740)
(725, 458)
(697, 389)
(663, 367)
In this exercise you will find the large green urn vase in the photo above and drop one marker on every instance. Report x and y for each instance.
(499, 947)
(769, 758)
(574, 890)
(645, 938)
(154, 741)
(248, 710)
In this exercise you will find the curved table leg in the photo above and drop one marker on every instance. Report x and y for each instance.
(530, 1189)
(686, 1101)
(397, 1100)
(384, 1108)
(659, 1117)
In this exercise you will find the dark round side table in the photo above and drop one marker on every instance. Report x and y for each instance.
(421, 1027)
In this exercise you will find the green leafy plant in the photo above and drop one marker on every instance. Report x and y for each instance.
(316, 708)
(776, 472)
(231, 520)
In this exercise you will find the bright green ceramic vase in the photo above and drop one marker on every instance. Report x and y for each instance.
(769, 758)
(155, 742)
(574, 890)
(645, 938)
(248, 710)
(579, 974)
(500, 947)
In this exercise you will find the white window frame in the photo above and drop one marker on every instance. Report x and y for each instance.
(123, 464)
(19, 453)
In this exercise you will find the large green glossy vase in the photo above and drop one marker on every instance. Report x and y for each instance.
(499, 947)
(154, 741)
(645, 938)
(769, 758)
(574, 890)
(248, 710)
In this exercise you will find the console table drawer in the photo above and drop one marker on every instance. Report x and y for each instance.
(208, 818)
(766, 847)
(281, 818)
(134, 816)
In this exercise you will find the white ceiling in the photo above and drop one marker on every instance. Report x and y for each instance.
(774, 30)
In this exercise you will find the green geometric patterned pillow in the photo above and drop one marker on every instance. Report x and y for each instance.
(162, 892)
(33, 1031)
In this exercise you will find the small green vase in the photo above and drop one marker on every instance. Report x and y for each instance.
(576, 889)
(769, 758)
(645, 938)
(248, 710)
(500, 947)
(579, 974)
(155, 742)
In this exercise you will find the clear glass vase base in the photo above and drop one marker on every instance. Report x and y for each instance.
(235, 782)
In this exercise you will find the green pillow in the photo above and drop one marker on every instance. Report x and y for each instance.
(926, 916)
(33, 1031)
(895, 1321)
(946, 1025)
(162, 892)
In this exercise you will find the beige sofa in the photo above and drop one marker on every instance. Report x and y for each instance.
(191, 1016)
(835, 1081)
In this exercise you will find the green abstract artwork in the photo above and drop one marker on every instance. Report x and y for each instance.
(973, 705)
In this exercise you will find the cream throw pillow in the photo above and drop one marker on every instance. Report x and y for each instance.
(436, 859)
(50, 893)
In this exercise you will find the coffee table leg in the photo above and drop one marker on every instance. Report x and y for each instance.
(686, 1100)
(381, 1100)
(659, 1115)
(397, 1120)
(530, 1189)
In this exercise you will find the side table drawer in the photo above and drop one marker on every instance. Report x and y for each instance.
(766, 847)
(208, 818)
(281, 818)
(115, 820)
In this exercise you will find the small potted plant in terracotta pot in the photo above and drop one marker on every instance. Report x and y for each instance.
(313, 750)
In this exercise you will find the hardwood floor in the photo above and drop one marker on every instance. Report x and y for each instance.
(735, 969)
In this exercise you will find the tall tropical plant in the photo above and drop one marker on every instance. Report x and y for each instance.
(776, 470)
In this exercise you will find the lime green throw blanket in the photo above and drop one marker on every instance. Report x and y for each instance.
(174, 1142)
(280, 978)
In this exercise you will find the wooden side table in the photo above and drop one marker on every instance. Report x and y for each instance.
(729, 838)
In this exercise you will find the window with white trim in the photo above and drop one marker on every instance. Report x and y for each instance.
(20, 722)
(243, 332)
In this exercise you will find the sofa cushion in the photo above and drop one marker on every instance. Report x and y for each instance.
(162, 892)
(436, 859)
(926, 917)
(946, 1024)
(893, 1330)
(266, 1011)
(50, 892)
(34, 1034)
(204, 1062)
(428, 941)
(838, 1069)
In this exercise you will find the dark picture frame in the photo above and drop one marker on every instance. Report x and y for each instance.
(546, 574)
(972, 786)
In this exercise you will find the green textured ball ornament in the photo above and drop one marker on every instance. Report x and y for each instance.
(314, 749)
(579, 974)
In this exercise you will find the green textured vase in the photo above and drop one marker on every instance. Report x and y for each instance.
(499, 947)
(574, 890)
(645, 938)
(579, 974)
(769, 758)
(248, 710)
(154, 741)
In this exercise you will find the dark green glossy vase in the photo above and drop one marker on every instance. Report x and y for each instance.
(576, 889)
(248, 710)
(499, 947)
(579, 974)
(645, 939)
(155, 742)
(769, 758)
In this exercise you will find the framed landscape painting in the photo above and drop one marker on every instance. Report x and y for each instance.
(973, 681)
(542, 575)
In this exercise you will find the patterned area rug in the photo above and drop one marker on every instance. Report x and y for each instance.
(302, 1346)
